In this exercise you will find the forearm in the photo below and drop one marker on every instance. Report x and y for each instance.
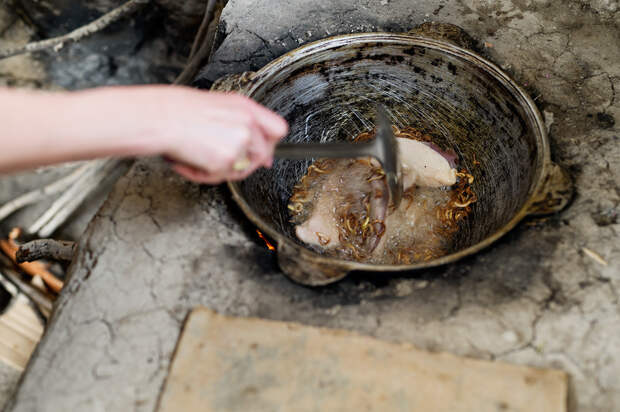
(46, 128)
(203, 132)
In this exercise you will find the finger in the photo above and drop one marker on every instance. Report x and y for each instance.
(201, 176)
(232, 107)
(231, 145)
(269, 162)
(272, 124)
(259, 150)
(256, 156)
(244, 167)
(197, 175)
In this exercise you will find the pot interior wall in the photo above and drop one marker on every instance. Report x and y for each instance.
(330, 95)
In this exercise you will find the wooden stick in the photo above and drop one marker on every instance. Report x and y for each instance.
(204, 41)
(79, 33)
(59, 250)
(202, 30)
(81, 185)
(43, 300)
(76, 196)
(9, 247)
(41, 193)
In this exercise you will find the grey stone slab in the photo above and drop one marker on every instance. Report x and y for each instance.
(9, 377)
(161, 246)
(258, 31)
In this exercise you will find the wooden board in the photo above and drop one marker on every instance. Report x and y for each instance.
(240, 364)
(20, 331)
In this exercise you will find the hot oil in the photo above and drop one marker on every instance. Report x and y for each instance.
(341, 205)
(415, 232)
(340, 209)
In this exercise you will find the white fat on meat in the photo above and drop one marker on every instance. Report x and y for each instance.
(423, 166)
(321, 228)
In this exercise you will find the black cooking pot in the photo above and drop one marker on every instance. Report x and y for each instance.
(328, 90)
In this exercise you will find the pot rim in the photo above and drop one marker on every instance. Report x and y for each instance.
(534, 118)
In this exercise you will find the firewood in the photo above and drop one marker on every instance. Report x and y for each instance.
(37, 268)
(204, 41)
(73, 197)
(41, 299)
(93, 27)
(43, 192)
(52, 249)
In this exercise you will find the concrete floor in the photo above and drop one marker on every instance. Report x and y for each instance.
(160, 246)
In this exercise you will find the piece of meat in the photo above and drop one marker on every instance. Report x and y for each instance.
(450, 155)
(345, 187)
(321, 228)
(342, 190)
(412, 226)
(424, 166)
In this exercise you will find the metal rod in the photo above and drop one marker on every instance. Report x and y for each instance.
(331, 150)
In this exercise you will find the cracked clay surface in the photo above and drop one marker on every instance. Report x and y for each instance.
(160, 246)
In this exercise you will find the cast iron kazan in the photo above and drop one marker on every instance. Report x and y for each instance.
(328, 90)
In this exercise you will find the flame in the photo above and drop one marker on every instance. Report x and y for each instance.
(267, 243)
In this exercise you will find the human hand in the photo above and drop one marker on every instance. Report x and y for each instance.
(205, 133)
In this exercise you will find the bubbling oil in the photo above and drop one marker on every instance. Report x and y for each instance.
(340, 209)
